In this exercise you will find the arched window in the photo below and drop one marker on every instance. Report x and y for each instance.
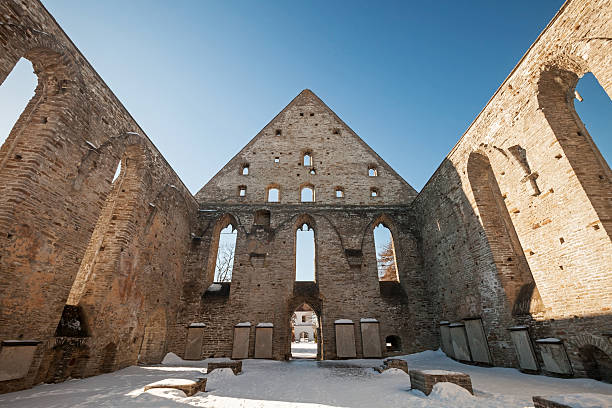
(307, 159)
(374, 192)
(15, 93)
(595, 110)
(242, 191)
(245, 169)
(224, 264)
(385, 254)
(305, 253)
(307, 194)
(339, 192)
(273, 194)
(372, 171)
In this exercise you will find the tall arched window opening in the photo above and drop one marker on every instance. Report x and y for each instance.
(385, 254)
(594, 107)
(307, 159)
(305, 254)
(15, 93)
(273, 194)
(225, 254)
(307, 194)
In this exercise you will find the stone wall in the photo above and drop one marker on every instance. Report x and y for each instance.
(65, 223)
(517, 218)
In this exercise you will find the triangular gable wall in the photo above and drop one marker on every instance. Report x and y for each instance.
(340, 160)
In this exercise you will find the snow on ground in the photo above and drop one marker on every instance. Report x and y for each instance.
(304, 350)
(304, 384)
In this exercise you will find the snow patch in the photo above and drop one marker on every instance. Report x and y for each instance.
(243, 324)
(440, 372)
(393, 372)
(343, 321)
(172, 358)
(586, 400)
(446, 391)
(265, 325)
(197, 325)
(215, 287)
(548, 340)
(368, 320)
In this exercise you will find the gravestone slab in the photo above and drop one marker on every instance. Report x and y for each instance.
(477, 340)
(445, 339)
(193, 346)
(424, 380)
(15, 358)
(523, 348)
(370, 338)
(345, 339)
(240, 348)
(554, 356)
(461, 348)
(263, 340)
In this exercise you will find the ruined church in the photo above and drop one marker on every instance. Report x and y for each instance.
(504, 258)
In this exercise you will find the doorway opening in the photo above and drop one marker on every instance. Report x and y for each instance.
(305, 333)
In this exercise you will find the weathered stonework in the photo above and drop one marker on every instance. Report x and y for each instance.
(513, 228)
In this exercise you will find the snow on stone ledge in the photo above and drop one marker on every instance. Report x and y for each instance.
(343, 321)
(243, 324)
(215, 287)
(440, 372)
(197, 325)
(586, 400)
(265, 325)
(368, 320)
(548, 340)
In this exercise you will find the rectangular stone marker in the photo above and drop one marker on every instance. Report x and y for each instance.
(523, 348)
(477, 340)
(445, 339)
(242, 332)
(193, 347)
(263, 340)
(15, 358)
(345, 339)
(461, 349)
(554, 356)
(424, 380)
(370, 338)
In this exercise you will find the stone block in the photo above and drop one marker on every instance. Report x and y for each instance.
(370, 338)
(477, 340)
(554, 356)
(345, 338)
(193, 346)
(236, 366)
(461, 348)
(583, 400)
(189, 387)
(15, 358)
(263, 340)
(394, 363)
(523, 348)
(240, 348)
(424, 380)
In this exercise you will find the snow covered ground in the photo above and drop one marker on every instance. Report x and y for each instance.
(305, 384)
(304, 350)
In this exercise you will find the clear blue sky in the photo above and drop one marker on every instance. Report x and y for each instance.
(203, 77)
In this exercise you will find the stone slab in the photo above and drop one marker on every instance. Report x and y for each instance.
(424, 380)
(263, 342)
(345, 340)
(524, 348)
(16, 358)
(477, 341)
(240, 348)
(445, 340)
(554, 357)
(461, 348)
(193, 346)
(370, 339)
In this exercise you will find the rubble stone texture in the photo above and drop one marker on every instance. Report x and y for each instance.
(513, 227)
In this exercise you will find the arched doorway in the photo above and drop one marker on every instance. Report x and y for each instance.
(597, 364)
(305, 335)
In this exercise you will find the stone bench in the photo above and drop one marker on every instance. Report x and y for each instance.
(189, 387)
(586, 400)
(236, 366)
(424, 380)
(393, 363)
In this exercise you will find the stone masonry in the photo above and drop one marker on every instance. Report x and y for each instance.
(514, 227)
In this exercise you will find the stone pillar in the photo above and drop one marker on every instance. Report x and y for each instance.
(554, 356)
(445, 339)
(345, 338)
(461, 349)
(370, 338)
(523, 348)
(193, 347)
(477, 340)
(263, 340)
(240, 347)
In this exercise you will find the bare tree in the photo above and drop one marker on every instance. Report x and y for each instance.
(387, 270)
(225, 263)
